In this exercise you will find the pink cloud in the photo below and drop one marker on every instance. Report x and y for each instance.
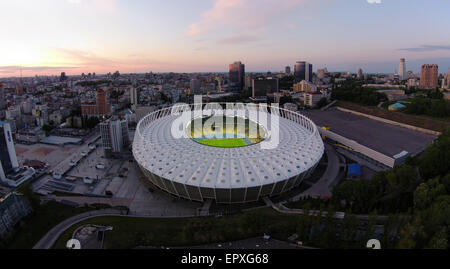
(241, 15)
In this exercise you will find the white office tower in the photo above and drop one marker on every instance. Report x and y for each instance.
(8, 157)
(402, 69)
(115, 136)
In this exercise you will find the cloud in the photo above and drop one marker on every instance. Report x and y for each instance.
(374, 1)
(425, 48)
(241, 15)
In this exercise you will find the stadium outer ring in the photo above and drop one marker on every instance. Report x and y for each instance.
(294, 165)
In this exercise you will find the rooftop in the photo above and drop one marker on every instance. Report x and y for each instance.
(187, 162)
(382, 137)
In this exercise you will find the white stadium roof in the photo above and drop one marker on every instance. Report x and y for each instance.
(188, 162)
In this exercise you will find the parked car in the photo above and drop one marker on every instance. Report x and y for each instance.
(100, 166)
(88, 180)
(57, 176)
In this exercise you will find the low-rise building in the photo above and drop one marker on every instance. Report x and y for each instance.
(305, 86)
(311, 99)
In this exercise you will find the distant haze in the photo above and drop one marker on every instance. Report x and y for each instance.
(50, 36)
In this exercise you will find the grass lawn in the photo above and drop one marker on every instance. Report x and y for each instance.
(223, 143)
(132, 232)
(32, 228)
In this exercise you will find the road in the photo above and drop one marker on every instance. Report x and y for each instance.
(328, 179)
(50, 238)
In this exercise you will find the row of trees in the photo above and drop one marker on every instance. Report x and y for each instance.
(439, 108)
(352, 91)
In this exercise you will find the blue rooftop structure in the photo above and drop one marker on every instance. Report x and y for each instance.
(354, 169)
(397, 106)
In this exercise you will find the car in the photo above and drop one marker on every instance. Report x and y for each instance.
(72, 163)
(57, 175)
(100, 166)
(88, 180)
(92, 147)
(108, 193)
(84, 153)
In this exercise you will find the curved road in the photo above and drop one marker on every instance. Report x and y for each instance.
(50, 238)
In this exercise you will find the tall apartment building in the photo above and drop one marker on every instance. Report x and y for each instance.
(115, 136)
(236, 73)
(100, 107)
(194, 86)
(134, 98)
(429, 76)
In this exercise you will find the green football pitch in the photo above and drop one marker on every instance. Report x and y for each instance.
(223, 143)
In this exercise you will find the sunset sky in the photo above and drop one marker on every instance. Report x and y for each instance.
(50, 36)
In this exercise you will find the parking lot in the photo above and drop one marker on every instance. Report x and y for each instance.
(382, 137)
(122, 179)
(52, 155)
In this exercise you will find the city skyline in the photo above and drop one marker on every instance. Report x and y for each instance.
(74, 36)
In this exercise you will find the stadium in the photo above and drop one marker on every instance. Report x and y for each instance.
(231, 155)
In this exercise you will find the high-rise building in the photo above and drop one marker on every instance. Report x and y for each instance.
(115, 135)
(100, 108)
(2, 97)
(134, 99)
(303, 71)
(63, 77)
(236, 75)
(261, 87)
(248, 81)
(287, 70)
(429, 76)
(103, 105)
(360, 74)
(195, 86)
(402, 69)
(8, 157)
